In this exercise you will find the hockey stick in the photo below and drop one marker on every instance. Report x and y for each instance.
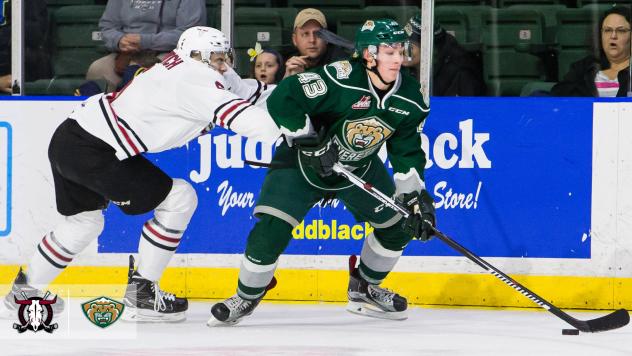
(611, 321)
(335, 40)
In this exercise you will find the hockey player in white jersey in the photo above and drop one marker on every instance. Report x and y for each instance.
(96, 158)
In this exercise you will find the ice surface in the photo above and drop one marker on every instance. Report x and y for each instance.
(323, 329)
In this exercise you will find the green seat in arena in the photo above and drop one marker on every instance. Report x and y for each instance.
(550, 16)
(508, 37)
(507, 3)
(401, 14)
(77, 26)
(453, 20)
(575, 34)
(74, 62)
(263, 25)
(465, 3)
(56, 86)
(535, 88)
(325, 4)
(347, 21)
(257, 3)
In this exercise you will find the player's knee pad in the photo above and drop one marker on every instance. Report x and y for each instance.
(77, 231)
(393, 237)
(176, 210)
(268, 239)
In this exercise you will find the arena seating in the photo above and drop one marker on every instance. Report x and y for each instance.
(520, 41)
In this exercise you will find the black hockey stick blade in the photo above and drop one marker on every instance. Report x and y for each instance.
(614, 320)
(335, 40)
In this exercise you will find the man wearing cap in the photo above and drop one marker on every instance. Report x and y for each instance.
(455, 71)
(312, 51)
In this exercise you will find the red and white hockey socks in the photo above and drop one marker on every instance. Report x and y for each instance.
(161, 235)
(60, 246)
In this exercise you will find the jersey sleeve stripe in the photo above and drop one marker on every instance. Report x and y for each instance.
(256, 94)
(230, 122)
(231, 109)
(116, 136)
(219, 108)
(124, 130)
(142, 144)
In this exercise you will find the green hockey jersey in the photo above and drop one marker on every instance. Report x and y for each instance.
(340, 98)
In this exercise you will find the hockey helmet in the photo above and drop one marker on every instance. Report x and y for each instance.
(203, 41)
(374, 33)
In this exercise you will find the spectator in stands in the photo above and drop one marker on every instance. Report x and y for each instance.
(605, 73)
(267, 64)
(141, 30)
(311, 50)
(455, 71)
(36, 52)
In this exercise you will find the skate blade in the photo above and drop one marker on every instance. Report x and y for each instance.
(213, 323)
(135, 315)
(369, 310)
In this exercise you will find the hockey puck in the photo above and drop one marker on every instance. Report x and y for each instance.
(570, 332)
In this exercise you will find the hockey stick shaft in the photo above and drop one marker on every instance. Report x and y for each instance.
(611, 321)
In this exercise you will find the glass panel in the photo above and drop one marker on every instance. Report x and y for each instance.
(481, 47)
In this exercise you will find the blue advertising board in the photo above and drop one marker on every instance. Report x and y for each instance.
(6, 166)
(511, 177)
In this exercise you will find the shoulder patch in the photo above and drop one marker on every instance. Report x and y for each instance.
(343, 69)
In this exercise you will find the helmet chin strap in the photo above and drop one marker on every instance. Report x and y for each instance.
(374, 70)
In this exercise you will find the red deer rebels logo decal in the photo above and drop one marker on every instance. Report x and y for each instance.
(35, 314)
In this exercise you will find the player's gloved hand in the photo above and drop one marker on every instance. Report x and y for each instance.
(422, 217)
(320, 152)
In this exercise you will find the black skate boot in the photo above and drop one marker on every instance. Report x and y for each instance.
(233, 309)
(22, 290)
(372, 300)
(146, 302)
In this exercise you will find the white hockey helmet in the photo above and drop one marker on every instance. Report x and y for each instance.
(203, 41)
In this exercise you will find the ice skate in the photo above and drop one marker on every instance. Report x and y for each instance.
(22, 290)
(145, 302)
(232, 310)
(372, 300)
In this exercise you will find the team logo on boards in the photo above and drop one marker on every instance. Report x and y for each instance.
(366, 133)
(35, 313)
(363, 103)
(102, 311)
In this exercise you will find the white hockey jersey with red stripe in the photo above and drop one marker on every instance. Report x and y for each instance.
(172, 103)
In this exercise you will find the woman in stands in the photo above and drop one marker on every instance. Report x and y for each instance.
(605, 75)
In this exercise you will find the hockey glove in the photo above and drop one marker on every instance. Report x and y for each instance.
(422, 218)
(318, 151)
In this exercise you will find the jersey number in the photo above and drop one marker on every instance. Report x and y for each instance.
(315, 89)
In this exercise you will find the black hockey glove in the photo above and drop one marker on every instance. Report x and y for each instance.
(422, 218)
(319, 152)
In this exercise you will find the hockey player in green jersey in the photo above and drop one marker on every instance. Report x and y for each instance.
(345, 112)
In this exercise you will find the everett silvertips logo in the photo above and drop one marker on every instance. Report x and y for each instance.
(102, 311)
(35, 313)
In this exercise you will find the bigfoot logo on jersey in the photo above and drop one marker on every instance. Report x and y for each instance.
(35, 314)
(102, 311)
(366, 133)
